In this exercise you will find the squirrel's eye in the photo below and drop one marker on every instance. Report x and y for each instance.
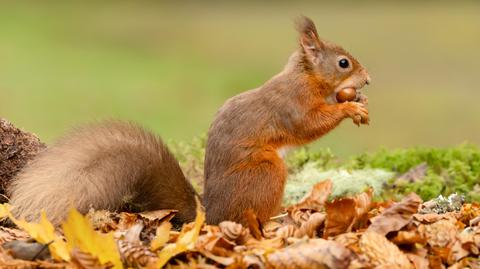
(343, 63)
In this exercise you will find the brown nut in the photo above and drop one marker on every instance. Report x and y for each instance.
(346, 95)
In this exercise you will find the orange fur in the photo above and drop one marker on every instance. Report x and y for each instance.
(243, 169)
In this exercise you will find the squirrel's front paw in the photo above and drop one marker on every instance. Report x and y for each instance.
(361, 98)
(357, 111)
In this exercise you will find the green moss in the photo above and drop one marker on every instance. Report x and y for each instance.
(191, 156)
(345, 182)
(450, 170)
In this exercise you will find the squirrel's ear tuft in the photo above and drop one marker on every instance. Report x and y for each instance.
(309, 40)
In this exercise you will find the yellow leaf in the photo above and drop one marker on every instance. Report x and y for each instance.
(162, 236)
(44, 233)
(80, 234)
(185, 241)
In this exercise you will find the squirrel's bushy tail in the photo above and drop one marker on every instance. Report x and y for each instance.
(111, 165)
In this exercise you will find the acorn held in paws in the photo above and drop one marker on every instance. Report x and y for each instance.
(346, 95)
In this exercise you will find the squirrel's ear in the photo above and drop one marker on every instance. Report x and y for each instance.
(309, 40)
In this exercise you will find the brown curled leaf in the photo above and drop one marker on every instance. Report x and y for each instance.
(409, 238)
(286, 231)
(347, 213)
(418, 261)
(383, 253)
(300, 216)
(363, 204)
(340, 215)
(314, 253)
(439, 234)
(397, 216)
(315, 199)
(311, 227)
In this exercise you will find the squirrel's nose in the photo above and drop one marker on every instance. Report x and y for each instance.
(367, 77)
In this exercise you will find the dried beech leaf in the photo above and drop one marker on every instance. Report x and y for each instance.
(286, 231)
(300, 216)
(10, 234)
(310, 227)
(397, 216)
(343, 214)
(418, 261)
(473, 263)
(382, 252)
(316, 198)
(214, 242)
(264, 245)
(270, 228)
(475, 221)
(349, 240)
(250, 261)
(439, 234)
(363, 202)
(428, 218)
(225, 261)
(340, 215)
(314, 253)
(409, 238)
(457, 252)
(159, 215)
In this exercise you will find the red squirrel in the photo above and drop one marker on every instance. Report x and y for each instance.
(121, 166)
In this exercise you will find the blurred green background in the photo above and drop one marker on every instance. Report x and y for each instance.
(171, 66)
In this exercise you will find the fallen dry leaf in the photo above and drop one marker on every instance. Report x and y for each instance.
(396, 216)
(311, 226)
(382, 252)
(289, 241)
(418, 261)
(316, 198)
(439, 234)
(346, 213)
(409, 238)
(340, 216)
(10, 234)
(314, 253)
